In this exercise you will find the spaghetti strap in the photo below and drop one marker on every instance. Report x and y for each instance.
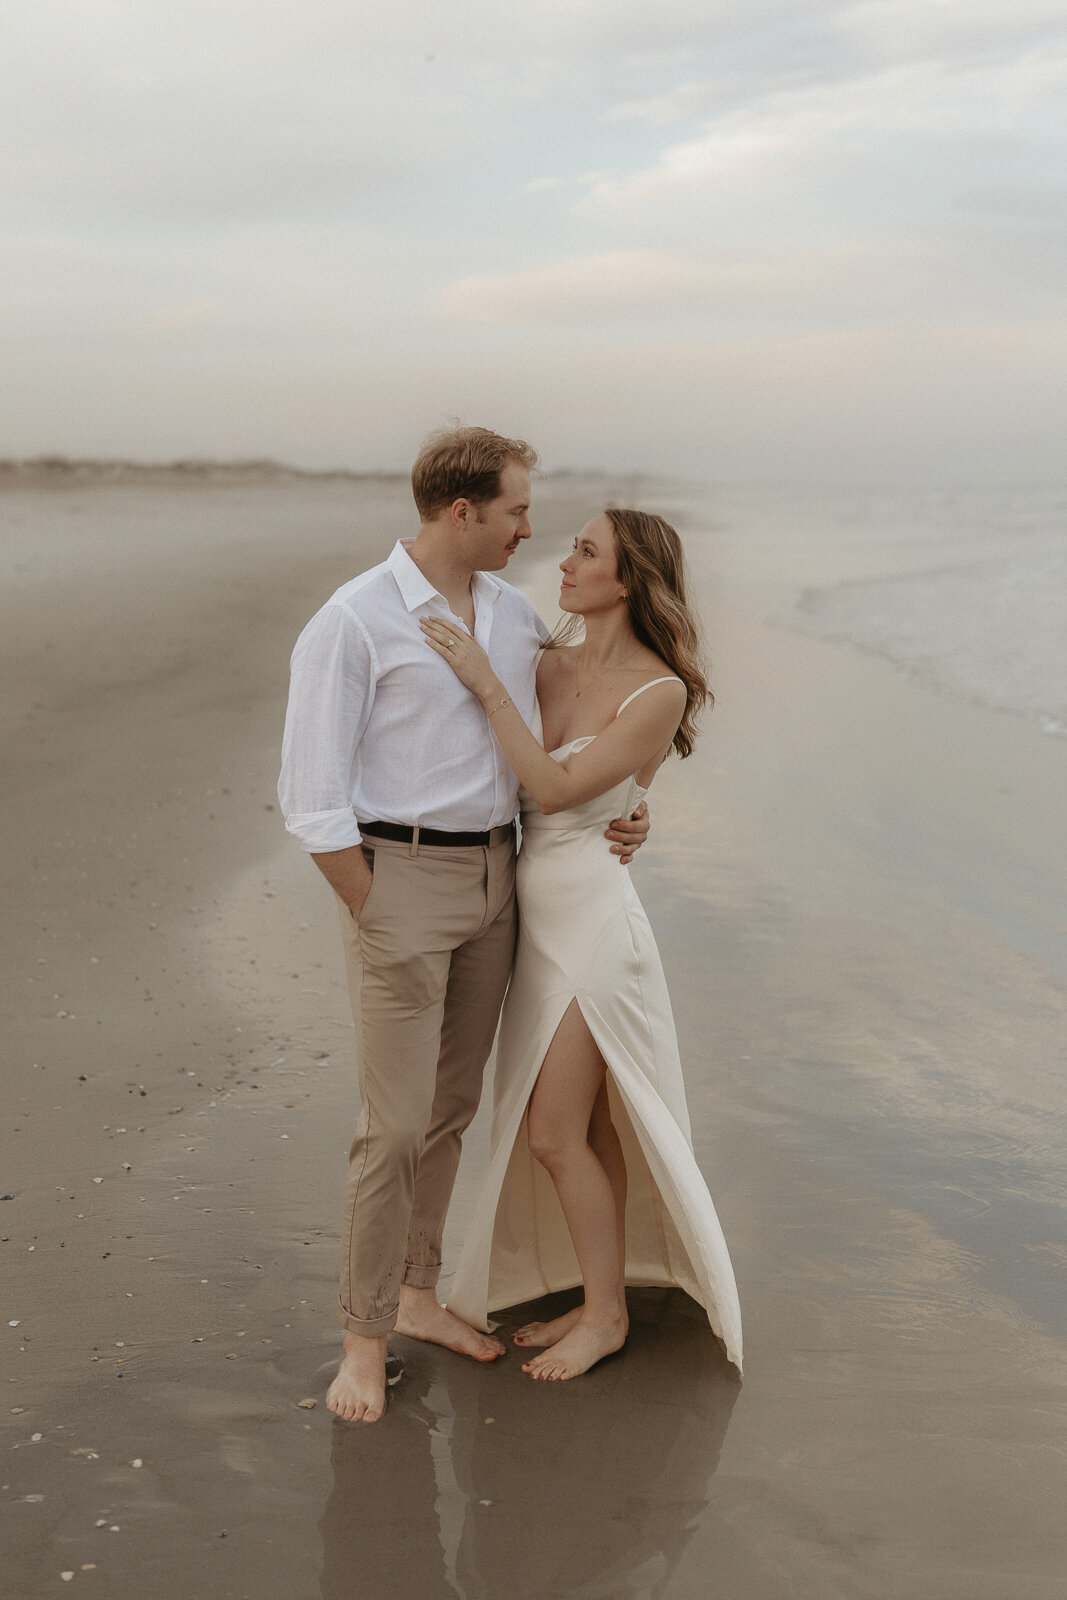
(642, 689)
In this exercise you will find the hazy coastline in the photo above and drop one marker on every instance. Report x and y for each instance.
(57, 472)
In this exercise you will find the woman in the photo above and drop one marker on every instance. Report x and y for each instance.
(589, 1100)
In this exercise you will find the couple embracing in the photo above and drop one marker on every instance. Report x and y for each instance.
(428, 706)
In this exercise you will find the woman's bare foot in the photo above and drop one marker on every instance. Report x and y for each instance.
(423, 1317)
(544, 1333)
(357, 1394)
(587, 1343)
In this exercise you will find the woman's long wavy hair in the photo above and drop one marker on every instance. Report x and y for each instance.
(651, 567)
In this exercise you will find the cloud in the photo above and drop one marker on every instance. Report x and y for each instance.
(578, 180)
(196, 113)
(918, 27)
(678, 104)
(814, 130)
(625, 286)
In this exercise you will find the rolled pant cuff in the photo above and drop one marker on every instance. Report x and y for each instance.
(421, 1277)
(369, 1327)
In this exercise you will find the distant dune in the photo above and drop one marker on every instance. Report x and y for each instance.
(55, 471)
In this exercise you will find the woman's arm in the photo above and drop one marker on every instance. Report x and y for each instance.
(623, 748)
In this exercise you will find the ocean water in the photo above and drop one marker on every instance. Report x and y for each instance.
(964, 591)
(994, 632)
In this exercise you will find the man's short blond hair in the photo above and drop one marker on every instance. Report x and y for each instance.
(464, 464)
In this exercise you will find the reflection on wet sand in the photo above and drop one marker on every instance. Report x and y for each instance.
(480, 1483)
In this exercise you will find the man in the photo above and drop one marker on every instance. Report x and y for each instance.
(392, 781)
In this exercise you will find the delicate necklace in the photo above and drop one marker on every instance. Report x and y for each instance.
(611, 667)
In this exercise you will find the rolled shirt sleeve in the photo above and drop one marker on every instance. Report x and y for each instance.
(334, 672)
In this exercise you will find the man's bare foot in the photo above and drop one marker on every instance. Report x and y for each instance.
(587, 1343)
(423, 1317)
(357, 1394)
(544, 1333)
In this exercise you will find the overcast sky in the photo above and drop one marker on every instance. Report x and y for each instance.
(758, 240)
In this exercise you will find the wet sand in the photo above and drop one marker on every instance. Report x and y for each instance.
(859, 895)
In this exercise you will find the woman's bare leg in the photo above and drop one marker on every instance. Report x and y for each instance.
(558, 1128)
(605, 1143)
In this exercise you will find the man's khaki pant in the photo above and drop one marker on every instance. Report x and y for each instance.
(428, 963)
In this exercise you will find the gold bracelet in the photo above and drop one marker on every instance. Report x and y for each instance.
(500, 707)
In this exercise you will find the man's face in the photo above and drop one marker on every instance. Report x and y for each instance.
(495, 529)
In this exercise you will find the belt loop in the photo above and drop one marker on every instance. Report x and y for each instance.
(414, 841)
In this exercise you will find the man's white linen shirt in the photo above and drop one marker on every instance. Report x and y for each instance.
(379, 728)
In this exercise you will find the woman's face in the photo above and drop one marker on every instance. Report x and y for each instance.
(590, 572)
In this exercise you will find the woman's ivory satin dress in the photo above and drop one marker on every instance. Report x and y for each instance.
(584, 935)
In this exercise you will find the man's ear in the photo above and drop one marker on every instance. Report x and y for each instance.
(459, 513)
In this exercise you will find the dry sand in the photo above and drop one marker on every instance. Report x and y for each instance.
(861, 908)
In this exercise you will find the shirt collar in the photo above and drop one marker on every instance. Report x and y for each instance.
(485, 589)
(416, 589)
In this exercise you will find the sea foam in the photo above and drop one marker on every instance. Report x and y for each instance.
(994, 631)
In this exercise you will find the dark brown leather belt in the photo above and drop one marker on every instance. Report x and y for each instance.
(400, 834)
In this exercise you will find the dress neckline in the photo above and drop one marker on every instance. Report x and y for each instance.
(589, 737)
